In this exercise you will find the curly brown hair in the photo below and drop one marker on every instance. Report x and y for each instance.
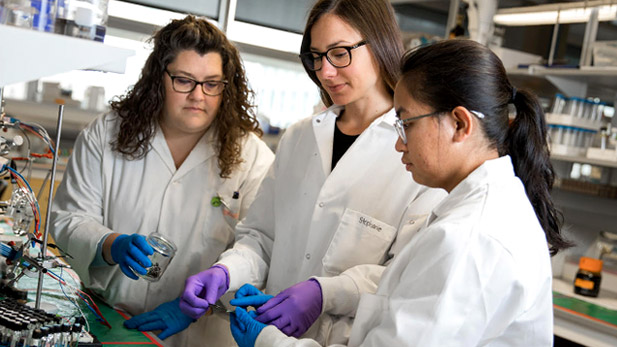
(140, 109)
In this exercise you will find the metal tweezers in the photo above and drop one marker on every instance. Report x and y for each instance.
(218, 307)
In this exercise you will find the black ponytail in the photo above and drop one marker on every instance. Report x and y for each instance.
(527, 146)
(465, 73)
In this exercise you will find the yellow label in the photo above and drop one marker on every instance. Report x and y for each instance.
(585, 284)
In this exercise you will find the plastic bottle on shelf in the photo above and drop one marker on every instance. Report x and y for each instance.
(559, 104)
(589, 134)
(566, 139)
(570, 106)
(583, 105)
(558, 134)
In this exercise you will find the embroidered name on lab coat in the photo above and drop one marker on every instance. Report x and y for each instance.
(369, 224)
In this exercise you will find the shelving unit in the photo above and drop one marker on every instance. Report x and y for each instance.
(568, 120)
(29, 54)
(44, 113)
(584, 160)
(586, 81)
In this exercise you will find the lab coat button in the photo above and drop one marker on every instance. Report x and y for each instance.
(308, 256)
(318, 120)
(321, 204)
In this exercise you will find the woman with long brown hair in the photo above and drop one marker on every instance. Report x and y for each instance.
(478, 273)
(336, 205)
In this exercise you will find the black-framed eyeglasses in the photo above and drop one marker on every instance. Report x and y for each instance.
(186, 85)
(337, 56)
(401, 124)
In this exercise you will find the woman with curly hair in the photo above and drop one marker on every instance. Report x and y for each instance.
(179, 155)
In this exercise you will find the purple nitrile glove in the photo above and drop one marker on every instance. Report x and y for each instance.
(294, 309)
(203, 290)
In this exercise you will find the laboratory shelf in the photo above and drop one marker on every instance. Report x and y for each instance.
(29, 55)
(604, 75)
(592, 81)
(568, 120)
(46, 113)
(587, 321)
(584, 160)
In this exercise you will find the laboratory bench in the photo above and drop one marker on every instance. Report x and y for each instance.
(54, 300)
(584, 320)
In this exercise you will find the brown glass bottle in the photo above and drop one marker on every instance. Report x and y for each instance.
(588, 277)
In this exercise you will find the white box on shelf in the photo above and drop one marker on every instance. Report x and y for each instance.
(605, 53)
(602, 154)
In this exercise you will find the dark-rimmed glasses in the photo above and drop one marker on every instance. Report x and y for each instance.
(337, 56)
(186, 85)
(401, 124)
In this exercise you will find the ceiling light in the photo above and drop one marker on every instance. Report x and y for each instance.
(573, 12)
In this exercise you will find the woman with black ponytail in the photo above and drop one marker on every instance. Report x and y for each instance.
(478, 272)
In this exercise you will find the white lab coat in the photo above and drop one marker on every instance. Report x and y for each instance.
(478, 274)
(102, 193)
(340, 226)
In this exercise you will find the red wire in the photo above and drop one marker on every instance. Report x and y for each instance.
(91, 303)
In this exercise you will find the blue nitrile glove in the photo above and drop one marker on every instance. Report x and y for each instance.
(248, 295)
(244, 327)
(166, 317)
(294, 309)
(203, 290)
(132, 251)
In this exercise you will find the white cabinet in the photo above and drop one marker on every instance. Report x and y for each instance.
(29, 55)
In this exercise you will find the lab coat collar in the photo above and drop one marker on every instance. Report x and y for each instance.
(490, 171)
(203, 150)
(323, 127)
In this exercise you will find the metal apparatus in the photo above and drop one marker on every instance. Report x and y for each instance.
(22, 209)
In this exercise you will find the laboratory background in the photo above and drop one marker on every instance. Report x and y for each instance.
(82, 53)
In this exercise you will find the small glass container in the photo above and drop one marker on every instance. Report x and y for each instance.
(558, 104)
(557, 137)
(588, 277)
(164, 251)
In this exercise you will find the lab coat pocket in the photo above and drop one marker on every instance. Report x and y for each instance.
(371, 310)
(231, 212)
(359, 239)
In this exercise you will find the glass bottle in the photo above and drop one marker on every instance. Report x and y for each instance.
(588, 277)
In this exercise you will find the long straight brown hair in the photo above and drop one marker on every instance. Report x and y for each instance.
(375, 21)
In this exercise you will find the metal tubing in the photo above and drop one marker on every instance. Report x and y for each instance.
(452, 13)
(591, 31)
(551, 54)
(39, 287)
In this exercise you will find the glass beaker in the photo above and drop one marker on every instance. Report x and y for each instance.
(164, 251)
